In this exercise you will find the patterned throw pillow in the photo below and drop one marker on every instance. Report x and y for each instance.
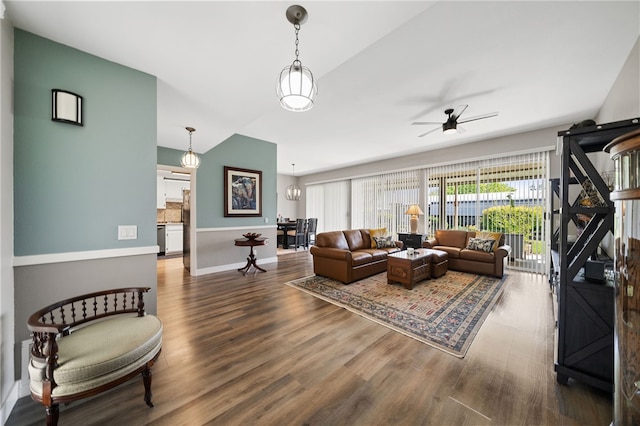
(486, 235)
(379, 232)
(383, 242)
(481, 244)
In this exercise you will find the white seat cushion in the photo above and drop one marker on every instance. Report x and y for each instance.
(100, 352)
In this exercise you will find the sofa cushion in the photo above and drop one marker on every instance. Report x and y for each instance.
(476, 255)
(361, 257)
(333, 239)
(452, 238)
(452, 252)
(355, 240)
(379, 232)
(384, 242)
(481, 244)
(496, 236)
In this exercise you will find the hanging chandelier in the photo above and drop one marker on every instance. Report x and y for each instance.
(189, 159)
(293, 191)
(296, 87)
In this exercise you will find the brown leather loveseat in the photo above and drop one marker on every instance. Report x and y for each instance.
(348, 256)
(471, 252)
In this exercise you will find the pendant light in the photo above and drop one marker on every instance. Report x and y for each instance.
(189, 159)
(296, 87)
(293, 191)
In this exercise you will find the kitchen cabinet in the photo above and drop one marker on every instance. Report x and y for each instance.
(173, 189)
(173, 240)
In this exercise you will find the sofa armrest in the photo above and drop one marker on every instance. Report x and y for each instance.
(399, 244)
(331, 253)
(503, 251)
(429, 243)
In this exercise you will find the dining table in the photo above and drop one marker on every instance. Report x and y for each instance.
(284, 227)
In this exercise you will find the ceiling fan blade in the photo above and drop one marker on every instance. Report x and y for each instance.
(479, 117)
(460, 129)
(430, 131)
(421, 123)
(458, 111)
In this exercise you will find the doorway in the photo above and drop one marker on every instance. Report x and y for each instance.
(176, 218)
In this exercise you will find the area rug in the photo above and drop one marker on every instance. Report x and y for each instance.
(445, 312)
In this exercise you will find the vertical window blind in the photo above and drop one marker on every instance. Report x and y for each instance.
(329, 202)
(381, 201)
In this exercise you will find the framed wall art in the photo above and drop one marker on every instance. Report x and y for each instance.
(242, 192)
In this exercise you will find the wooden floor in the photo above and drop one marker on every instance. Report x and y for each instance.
(250, 350)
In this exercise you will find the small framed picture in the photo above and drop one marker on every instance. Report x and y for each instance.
(242, 192)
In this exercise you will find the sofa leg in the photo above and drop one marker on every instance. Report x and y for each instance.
(146, 379)
(53, 413)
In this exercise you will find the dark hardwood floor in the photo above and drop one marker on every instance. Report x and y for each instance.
(245, 350)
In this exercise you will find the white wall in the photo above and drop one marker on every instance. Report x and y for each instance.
(8, 387)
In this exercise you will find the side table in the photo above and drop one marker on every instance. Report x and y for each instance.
(411, 240)
(251, 260)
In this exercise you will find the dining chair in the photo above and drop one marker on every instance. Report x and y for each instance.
(298, 235)
(312, 224)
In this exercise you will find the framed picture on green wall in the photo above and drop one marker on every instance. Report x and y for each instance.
(242, 192)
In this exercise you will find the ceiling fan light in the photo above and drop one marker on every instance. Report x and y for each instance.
(449, 128)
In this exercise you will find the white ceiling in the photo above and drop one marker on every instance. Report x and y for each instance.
(380, 65)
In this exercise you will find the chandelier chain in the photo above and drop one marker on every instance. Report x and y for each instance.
(297, 27)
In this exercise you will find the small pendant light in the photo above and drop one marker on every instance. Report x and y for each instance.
(189, 159)
(296, 87)
(293, 191)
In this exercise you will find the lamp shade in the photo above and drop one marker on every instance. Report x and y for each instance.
(414, 209)
(296, 88)
(190, 160)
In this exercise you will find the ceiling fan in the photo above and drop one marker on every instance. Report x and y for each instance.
(451, 125)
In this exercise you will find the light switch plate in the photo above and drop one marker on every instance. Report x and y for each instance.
(127, 232)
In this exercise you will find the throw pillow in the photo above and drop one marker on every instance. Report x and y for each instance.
(486, 235)
(379, 232)
(382, 242)
(480, 244)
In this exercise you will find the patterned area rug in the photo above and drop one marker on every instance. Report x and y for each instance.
(445, 312)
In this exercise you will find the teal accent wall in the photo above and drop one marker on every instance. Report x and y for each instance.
(169, 156)
(75, 185)
(242, 152)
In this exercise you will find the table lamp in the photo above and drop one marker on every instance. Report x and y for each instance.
(414, 211)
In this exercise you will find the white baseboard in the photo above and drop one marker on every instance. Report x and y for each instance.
(9, 402)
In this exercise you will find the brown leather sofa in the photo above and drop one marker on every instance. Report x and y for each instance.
(347, 256)
(462, 258)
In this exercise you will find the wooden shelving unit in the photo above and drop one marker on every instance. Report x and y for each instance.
(585, 322)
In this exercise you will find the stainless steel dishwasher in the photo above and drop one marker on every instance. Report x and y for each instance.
(161, 240)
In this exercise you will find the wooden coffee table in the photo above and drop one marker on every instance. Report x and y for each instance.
(408, 269)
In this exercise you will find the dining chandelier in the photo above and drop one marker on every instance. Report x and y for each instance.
(190, 159)
(296, 87)
(293, 191)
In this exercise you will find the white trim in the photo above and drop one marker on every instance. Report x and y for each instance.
(223, 268)
(9, 402)
(41, 259)
(235, 228)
